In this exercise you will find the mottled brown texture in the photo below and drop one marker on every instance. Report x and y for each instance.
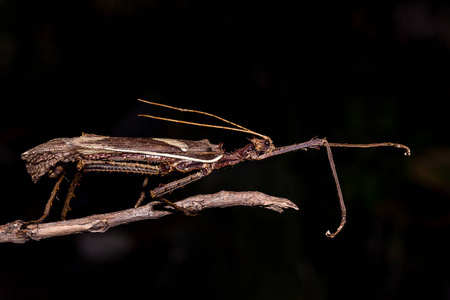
(43, 158)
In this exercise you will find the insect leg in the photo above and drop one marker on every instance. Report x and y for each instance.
(142, 196)
(184, 211)
(339, 191)
(317, 143)
(48, 206)
(171, 186)
(70, 193)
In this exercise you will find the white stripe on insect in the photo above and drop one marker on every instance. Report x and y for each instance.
(167, 155)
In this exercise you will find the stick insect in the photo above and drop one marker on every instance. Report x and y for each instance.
(160, 156)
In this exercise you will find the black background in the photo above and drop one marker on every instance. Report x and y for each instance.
(350, 71)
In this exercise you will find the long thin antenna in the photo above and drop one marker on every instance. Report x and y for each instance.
(239, 127)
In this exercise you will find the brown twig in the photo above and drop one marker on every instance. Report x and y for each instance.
(21, 232)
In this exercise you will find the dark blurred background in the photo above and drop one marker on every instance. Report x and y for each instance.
(350, 71)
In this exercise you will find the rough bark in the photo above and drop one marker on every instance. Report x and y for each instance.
(21, 232)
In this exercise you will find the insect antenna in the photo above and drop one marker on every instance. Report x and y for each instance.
(236, 127)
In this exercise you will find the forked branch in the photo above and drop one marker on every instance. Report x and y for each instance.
(20, 232)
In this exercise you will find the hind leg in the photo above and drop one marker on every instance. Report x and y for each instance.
(70, 194)
(48, 206)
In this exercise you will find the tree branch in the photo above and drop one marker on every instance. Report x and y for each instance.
(21, 232)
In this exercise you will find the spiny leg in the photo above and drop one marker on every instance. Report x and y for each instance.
(105, 166)
(48, 206)
(70, 193)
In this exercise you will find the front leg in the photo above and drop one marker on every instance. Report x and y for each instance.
(316, 143)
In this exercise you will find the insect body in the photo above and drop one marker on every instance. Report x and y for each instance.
(160, 156)
(137, 155)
